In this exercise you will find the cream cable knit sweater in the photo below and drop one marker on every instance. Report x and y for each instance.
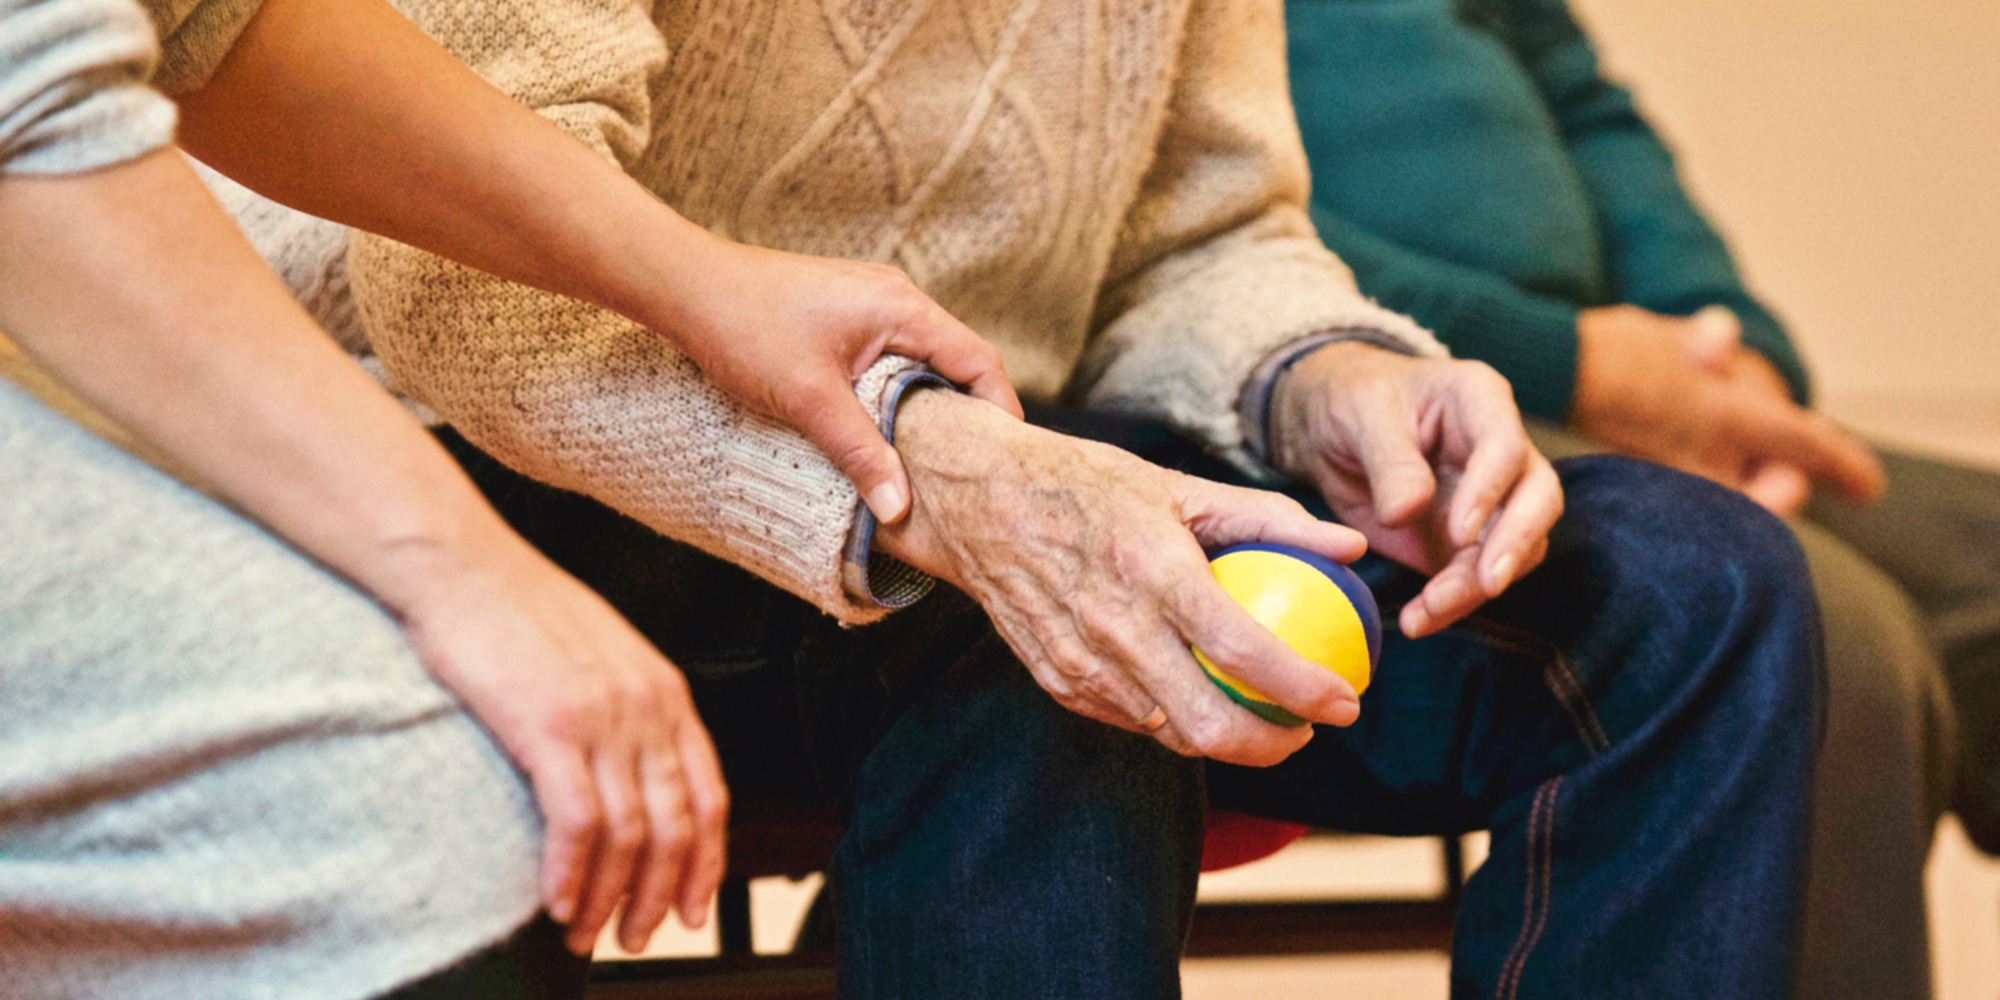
(1112, 191)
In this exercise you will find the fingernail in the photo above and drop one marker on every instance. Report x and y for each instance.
(1500, 574)
(1468, 528)
(561, 911)
(1413, 620)
(886, 502)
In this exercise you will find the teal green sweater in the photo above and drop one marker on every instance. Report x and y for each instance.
(1477, 172)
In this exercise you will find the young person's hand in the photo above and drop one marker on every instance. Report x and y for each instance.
(130, 285)
(1427, 457)
(345, 110)
(631, 793)
(1685, 392)
(786, 335)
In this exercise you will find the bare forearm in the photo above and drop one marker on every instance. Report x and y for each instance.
(344, 109)
(132, 286)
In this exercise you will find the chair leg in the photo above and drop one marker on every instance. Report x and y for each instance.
(1454, 868)
(1239, 929)
(732, 917)
(816, 931)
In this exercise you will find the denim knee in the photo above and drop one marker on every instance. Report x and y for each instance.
(1682, 528)
(1699, 567)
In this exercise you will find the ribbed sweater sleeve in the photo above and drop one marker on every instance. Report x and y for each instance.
(73, 86)
(1663, 253)
(580, 397)
(1529, 338)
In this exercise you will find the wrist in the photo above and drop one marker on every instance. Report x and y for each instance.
(661, 271)
(1597, 390)
(1298, 398)
(443, 551)
(928, 425)
(953, 447)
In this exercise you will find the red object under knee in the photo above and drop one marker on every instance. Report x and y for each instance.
(1239, 838)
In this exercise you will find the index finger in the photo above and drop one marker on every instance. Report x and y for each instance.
(1226, 515)
(1525, 522)
(1501, 460)
(1484, 434)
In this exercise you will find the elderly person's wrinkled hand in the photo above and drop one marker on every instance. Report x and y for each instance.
(1090, 562)
(1427, 458)
(1685, 392)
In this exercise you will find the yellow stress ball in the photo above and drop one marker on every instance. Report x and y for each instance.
(1317, 606)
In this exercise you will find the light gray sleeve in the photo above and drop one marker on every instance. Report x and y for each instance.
(73, 86)
(194, 37)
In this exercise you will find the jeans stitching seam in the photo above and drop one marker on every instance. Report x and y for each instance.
(1556, 674)
(1535, 916)
(1528, 894)
(1563, 682)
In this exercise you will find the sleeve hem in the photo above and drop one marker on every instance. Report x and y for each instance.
(876, 579)
(116, 125)
(1254, 405)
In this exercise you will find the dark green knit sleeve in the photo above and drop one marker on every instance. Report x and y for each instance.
(1662, 254)
(1529, 338)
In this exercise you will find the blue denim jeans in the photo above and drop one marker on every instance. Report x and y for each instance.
(1634, 722)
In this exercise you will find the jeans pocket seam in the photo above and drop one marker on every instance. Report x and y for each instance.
(1556, 674)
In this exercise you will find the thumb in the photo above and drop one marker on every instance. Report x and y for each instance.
(952, 350)
(839, 426)
(1711, 337)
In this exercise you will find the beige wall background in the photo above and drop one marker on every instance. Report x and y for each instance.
(1850, 149)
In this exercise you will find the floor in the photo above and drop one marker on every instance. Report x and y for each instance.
(1965, 917)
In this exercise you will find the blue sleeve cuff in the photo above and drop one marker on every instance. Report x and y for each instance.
(1254, 405)
(875, 578)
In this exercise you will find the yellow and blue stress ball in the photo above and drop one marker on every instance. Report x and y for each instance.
(1317, 606)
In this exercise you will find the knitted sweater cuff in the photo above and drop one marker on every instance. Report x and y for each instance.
(877, 579)
(1253, 409)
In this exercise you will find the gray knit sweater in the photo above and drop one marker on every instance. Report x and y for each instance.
(222, 773)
